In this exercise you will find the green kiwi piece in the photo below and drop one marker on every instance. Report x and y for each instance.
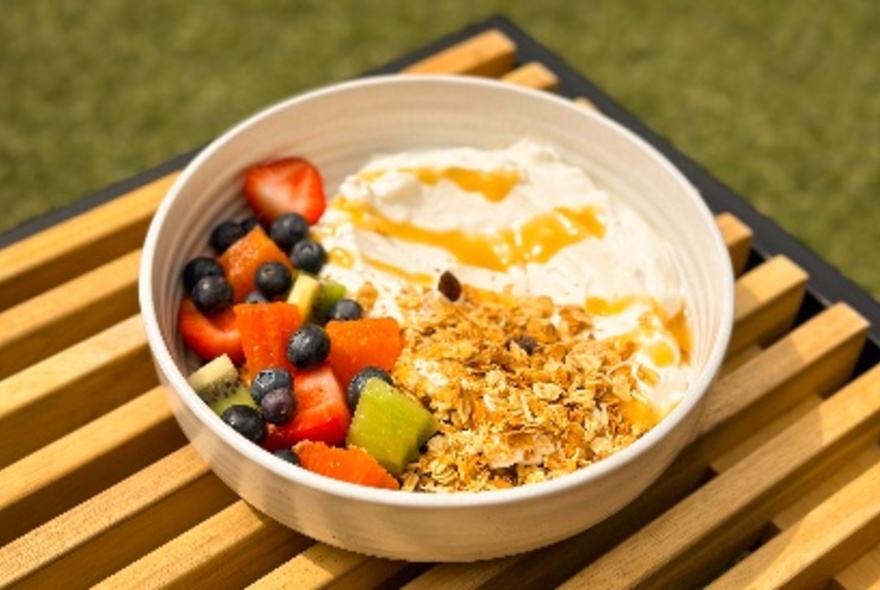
(218, 385)
(390, 425)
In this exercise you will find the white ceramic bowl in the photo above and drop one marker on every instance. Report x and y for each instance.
(338, 128)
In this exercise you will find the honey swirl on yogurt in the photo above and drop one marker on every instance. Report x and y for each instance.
(536, 239)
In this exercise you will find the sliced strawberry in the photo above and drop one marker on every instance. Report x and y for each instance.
(322, 413)
(356, 344)
(242, 259)
(265, 330)
(210, 336)
(353, 465)
(285, 186)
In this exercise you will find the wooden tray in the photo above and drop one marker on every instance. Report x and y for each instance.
(99, 486)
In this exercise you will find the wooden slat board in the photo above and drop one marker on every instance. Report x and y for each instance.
(98, 486)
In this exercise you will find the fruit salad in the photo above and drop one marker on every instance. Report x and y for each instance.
(372, 338)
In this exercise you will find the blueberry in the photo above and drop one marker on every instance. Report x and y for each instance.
(356, 385)
(288, 455)
(278, 406)
(308, 347)
(212, 295)
(199, 268)
(226, 234)
(246, 421)
(345, 309)
(255, 297)
(273, 279)
(309, 256)
(270, 379)
(289, 229)
(249, 223)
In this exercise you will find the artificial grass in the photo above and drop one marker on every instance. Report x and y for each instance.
(780, 100)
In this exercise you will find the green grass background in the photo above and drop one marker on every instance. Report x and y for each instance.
(779, 99)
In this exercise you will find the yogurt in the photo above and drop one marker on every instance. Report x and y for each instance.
(520, 220)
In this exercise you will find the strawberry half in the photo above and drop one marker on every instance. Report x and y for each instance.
(322, 413)
(284, 186)
(210, 336)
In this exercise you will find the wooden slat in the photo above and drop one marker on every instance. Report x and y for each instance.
(777, 288)
(123, 521)
(532, 75)
(488, 54)
(65, 391)
(316, 567)
(61, 317)
(681, 546)
(82, 463)
(825, 541)
(72, 248)
(863, 574)
(738, 237)
(231, 549)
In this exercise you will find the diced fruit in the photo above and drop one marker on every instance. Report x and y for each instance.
(345, 309)
(212, 295)
(241, 261)
(390, 425)
(285, 186)
(289, 229)
(199, 268)
(321, 411)
(309, 256)
(304, 293)
(239, 397)
(352, 465)
(225, 234)
(270, 379)
(308, 347)
(356, 385)
(278, 406)
(265, 331)
(273, 279)
(329, 292)
(246, 421)
(215, 380)
(210, 336)
(362, 343)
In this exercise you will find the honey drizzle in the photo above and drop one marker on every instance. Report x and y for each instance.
(494, 185)
(538, 239)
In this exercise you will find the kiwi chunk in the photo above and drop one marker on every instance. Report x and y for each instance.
(390, 425)
(218, 385)
(215, 380)
(240, 396)
(304, 294)
(330, 293)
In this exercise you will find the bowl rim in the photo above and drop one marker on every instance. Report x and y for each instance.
(697, 390)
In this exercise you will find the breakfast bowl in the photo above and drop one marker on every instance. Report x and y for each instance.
(339, 129)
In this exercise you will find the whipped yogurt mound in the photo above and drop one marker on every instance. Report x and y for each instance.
(520, 220)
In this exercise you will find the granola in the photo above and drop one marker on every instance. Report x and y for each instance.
(522, 389)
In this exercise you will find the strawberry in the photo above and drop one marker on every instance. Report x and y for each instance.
(284, 186)
(210, 336)
(353, 465)
(322, 413)
(265, 330)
